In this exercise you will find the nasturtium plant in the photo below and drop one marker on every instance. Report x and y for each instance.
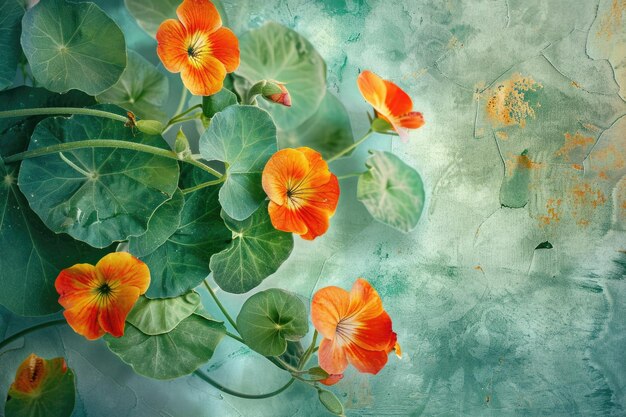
(73, 45)
(256, 252)
(392, 191)
(275, 52)
(96, 195)
(270, 318)
(243, 137)
(11, 12)
(42, 388)
(162, 315)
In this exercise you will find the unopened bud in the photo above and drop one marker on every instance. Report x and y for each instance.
(150, 127)
(380, 125)
(181, 146)
(276, 92)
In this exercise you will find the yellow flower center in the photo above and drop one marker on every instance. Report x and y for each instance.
(198, 47)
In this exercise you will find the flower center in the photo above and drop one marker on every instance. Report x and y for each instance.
(197, 47)
(104, 289)
(345, 328)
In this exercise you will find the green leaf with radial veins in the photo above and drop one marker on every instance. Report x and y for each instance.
(54, 395)
(328, 131)
(256, 252)
(270, 318)
(182, 262)
(392, 191)
(32, 255)
(142, 89)
(163, 223)
(96, 195)
(275, 52)
(244, 137)
(11, 12)
(172, 354)
(73, 45)
(162, 315)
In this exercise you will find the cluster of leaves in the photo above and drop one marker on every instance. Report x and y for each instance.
(70, 202)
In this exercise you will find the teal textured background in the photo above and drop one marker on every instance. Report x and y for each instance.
(524, 105)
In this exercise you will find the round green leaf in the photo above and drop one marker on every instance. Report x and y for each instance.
(32, 255)
(218, 102)
(142, 89)
(169, 355)
(11, 12)
(96, 195)
(328, 131)
(391, 191)
(182, 262)
(54, 396)
(244, 137)
(275, 52)
(162, 315)
(163, 223)
(331, 402)
(73, 45)
(256, 252)
(270, 318)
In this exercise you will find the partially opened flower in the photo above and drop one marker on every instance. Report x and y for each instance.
(97, 299)
(303, 192)
(390, 103)
(355, 327)
(33, 372)
(198, 47)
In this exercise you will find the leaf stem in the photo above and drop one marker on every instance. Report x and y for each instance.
(221, 306)
(183, 100)
(234, 336)
(62, 110)
(24, 332)
(204, 185)
(352, 174)
(349, 148)
(106, 143)
(179, 117)
(200, 374)
(307, 354)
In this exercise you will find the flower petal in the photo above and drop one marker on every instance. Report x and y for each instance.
(396, 100)
(318, 173)
(79, 277)
(171, 48)
(411, 120)
(373, 89)
(125, 269)
(320, 206)
(286, 219)
(199, 15)
(374, 333)
(113, 313)
(366, 361)
(332, 357)
(284, 168)
(225, 48)
(82, 316)
(365, 303)
(328, 307)
(332, 379)
(204, 76)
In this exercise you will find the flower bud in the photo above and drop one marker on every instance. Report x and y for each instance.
(380, 125)
(181, 146)
(150, 127)
(276, 92)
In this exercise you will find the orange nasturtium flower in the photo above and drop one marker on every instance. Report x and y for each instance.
(97, 299)
(390, 102)
(355, 327)
(198, 47)
(303, 192)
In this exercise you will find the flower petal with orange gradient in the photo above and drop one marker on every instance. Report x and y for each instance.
(355, 327)
(390, 102)
(97, 299)
(303, 192)
(197, 46)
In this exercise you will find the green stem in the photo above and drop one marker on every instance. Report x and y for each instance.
(229, 391)
(179, 117)
(349, 148)
(204, 185)
(221, 306)
(62, 110)
(183, 100)
(307, 354)
(106, 143)
(234, 336)
(31, 329)
(353, 174)
(284, 364)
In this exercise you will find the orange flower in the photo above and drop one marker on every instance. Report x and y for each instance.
(98, 298)
(198, 47)
(355, 327)
(303, 192)
(390, 103)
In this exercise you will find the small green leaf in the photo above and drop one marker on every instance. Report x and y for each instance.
(52, 391)
(328, 131)
(163, 223)
(256, 252)
(275, 52)
(162, 315)
(331, 402)
(11, 12)
(169, 355)
(244, 137)
(73, 45)
(317, 374)
(96, 195)
(270, 318)
(218, 102)
(391, 191)
(142, 89)
(544, 245)
(182, 262)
